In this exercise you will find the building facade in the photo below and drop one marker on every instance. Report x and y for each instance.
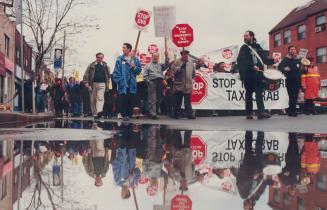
(304, 27)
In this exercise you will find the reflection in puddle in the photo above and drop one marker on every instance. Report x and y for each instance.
(147, 166)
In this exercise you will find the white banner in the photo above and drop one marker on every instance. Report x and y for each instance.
(224, 91)
(225, 149)
(226, 55)
(164, 20)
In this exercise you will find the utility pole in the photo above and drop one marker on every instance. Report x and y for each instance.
(22, 55)
(63, 60)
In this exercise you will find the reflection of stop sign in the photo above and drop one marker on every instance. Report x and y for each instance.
(182, 35)
(142, 18)
(144, 59)
(181, 202)
(153, 49)
(199, 149)
(200, 89)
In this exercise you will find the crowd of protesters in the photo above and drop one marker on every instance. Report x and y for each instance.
(120, 93)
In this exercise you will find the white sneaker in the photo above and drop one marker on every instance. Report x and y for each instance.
(119, 116)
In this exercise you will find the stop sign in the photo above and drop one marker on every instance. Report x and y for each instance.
(153, 49)
(181, 202)
(144, 59)
(182, 35)
(199, 149)
(142, 18)
(200, 89)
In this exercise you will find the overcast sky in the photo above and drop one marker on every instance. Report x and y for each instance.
(216, 24)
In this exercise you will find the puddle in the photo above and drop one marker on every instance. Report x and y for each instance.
(155, 167)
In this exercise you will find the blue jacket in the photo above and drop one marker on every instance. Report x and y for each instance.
(124, 76)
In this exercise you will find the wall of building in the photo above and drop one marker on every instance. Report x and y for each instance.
(312, 41)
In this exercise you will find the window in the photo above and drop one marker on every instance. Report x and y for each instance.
(18, 56)
(3, 188)
(319, 208)
(287, 200)
(3, 149)
(7, 40)
(278, 40)
(320, 23)
(287, 37)
(300, 204)
(277, 196)
(321, 182)
(321, 55)
(301, 32)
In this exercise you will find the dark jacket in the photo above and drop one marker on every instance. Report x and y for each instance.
(294, 65)
(246, 64)
(89, 74)
(183, 76)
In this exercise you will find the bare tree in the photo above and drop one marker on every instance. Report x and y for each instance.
(48, 19)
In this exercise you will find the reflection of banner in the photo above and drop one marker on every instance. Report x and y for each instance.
(7, 3)
(226, 148)
(224, 91)
(227, 55)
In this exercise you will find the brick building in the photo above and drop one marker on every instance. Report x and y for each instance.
(304, 27)
(7, 56)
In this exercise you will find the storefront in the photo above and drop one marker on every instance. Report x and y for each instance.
(323, 92)
(6, 79)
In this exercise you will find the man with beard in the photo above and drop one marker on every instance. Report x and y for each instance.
(251, 61)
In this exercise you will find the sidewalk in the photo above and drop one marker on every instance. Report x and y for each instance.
(13, 119)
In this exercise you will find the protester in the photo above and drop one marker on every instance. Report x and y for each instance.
(153, 75)
(85, 94)
(58, 94)
(169, 92)
(251, 61)
(184, 72)
(126, 68)
(291, 68)
(310, 82)
(41, 96)
(200, 64)
(96, 78)
(220, 68)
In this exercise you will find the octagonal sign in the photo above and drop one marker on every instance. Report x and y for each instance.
(200, 89)
(142, 18)
(182, 35)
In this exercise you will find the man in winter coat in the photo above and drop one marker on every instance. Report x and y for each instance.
(126, 68)
(153, 75)
(310, 82)
(184, 72)
(96, 78)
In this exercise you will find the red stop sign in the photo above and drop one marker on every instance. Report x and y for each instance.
(200, 89)
(153, 49)
(144, 59)
(182, 35)
(142, 18)
(181, 202)
(199, 149)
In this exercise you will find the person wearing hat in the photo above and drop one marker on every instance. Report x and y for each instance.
(184, 72)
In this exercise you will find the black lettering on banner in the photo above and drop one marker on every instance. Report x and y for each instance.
(223, 83)
(215, 83)
(271, 96)
(226, 157)
(214, 156)
(242, 95)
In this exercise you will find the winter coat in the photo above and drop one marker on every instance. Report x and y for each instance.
(246, 61)
(183, 76)
(124, 76)
(310, 82)
(89, 74)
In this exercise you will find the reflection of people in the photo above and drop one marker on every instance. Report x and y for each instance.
(251, 62)
(96, 162)
(290, 173)
(126, 174)
(249, 178)
(310, 157)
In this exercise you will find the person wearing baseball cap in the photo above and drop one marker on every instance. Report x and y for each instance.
(184, 72)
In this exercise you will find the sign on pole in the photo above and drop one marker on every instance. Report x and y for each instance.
(182, 35)
(164, 20)
(181, 202)
(142, 18)
(57, 64)
(152, 48)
